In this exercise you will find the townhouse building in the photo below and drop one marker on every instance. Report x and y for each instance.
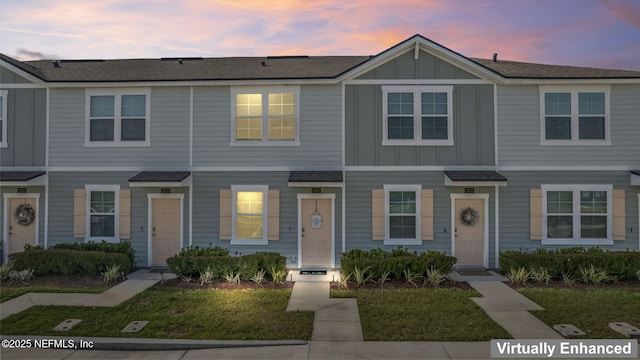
(418, 146)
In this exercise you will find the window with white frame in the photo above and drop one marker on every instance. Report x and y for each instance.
(102, 209)
(249, 214)
(574, 116)
(265, 115)
(417, 115)
(577, 214)
(118, 117)
(402, 214)
(3, 118)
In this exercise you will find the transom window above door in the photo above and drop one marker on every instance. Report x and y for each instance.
(265, 116)
(117, 117)
(417, 115)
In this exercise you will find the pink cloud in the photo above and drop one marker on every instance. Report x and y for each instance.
(629, 11)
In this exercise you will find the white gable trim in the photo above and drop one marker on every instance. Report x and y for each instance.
(19, 72)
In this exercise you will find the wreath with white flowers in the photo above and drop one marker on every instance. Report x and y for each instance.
(25, 214)
(469, 216)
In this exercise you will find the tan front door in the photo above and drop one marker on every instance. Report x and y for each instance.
(469, 238)
(165, 230)
(316, 232)
(20, 235)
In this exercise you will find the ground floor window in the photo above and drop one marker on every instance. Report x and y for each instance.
(402, 214)
(575, 214)
(249, 214)
(102, 209)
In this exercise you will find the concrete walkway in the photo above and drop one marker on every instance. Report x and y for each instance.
(136, 282)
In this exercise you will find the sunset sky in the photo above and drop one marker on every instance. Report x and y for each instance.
(598, 33)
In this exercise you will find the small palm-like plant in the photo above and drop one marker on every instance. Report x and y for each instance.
(592, 275)
(22, 276)
(568, 279)
(277, 275)
(435, 277)
(638, 274)
(518, 276)
(540, 275)
(360, 275)
(384, 277)
(410, 276)
(186, 278)
(6, 269)
(258, 277)
(232, 278)
(111, 273)
(206, 277)
(343, 280)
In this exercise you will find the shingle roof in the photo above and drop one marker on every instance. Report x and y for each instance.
(475, 176)
(514, 69)
(636, 172)
(315, 176)
(160, 176)
(20, 175)
(232, 68)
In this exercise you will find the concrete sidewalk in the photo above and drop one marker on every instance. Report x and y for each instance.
(136, 282)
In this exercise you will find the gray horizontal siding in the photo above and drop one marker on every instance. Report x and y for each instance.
(358, 219)
(519, 131)
(26, 128)
(514, 205)
(427, 66)
(206, 211)
(320, 131)
(170, 108)
(61, 199)
(472, 130)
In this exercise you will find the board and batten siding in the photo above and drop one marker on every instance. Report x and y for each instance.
(426, 66)
(61, 207)
(320, 131)
(519, 131)
(472, 130)
(358, 209)
(169, 132)
(206, 211)
(514, 205)
(26, 128)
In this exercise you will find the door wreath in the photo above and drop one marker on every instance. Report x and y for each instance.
(25, 214)
(469, 216)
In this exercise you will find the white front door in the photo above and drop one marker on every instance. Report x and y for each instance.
(469, 232)
(166, 229)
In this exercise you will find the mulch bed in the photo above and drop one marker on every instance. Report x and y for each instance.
(402, 285)
(194, 285)
(577, 285)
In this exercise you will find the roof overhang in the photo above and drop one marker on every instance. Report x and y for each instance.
(22, 178)
(474, 178)
(161, 179)
(316, 179)
(635, 178)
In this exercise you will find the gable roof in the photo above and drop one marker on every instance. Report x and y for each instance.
(191, 69)
(291, 67)
(523, 70)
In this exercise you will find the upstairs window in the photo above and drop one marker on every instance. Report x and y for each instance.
(118, 118)
(265, 116)
(575, 117)
(417, 115)
(3, 118)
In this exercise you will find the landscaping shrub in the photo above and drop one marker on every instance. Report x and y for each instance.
(198, 251)
(68, 262)
(118, 248)
(395, 263)
(186, 264)
(620, 264)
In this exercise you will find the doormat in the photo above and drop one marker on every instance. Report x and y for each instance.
(313, 272)
(474, 273)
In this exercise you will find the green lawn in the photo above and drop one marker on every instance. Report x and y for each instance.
(591, 310)
(8, 293)
(188, 314)
(422, 315)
